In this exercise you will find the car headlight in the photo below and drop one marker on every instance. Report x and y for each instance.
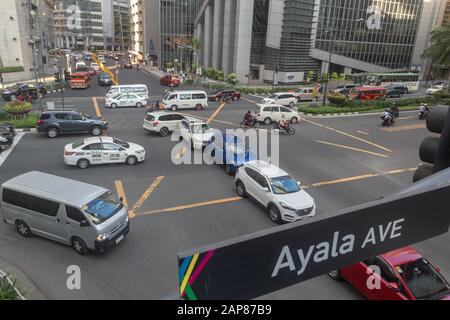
(102, 237)
(127, 219)
(285, 206)
(3, 139)
(140, 151)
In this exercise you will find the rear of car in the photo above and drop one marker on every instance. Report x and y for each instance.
(162, 122)
(80, 80)
(104, 80)
(171, 81)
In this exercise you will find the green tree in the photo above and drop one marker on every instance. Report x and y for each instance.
(342, 76)
(439, 51)
(325, 77)
(232, 79)
(310, 76)
(334, 76)
(218, 75)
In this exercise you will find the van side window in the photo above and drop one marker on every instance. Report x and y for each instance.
(198, 96)
(185, 97)
(74, 214)
(19, 199)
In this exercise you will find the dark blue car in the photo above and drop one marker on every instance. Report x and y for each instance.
(234, 152)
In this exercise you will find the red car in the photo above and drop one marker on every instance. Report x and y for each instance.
(235, 95)
(404, 275)
(170, 80)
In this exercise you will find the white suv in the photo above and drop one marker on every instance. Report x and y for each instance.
(196, 132)
(162, 122)
(268, 113)
(276, 190)
(285, 99)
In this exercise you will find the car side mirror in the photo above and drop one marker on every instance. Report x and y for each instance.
(84, 223)
(393, 286)
(299, 183)
(266, 189)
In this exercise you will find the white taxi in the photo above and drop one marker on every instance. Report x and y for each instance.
(102, 150)
(126, 100)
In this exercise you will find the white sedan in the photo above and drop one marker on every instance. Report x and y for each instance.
(434, 89)
(102, 150)
(126, 100)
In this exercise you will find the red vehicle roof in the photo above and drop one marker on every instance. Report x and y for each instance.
(401, 256)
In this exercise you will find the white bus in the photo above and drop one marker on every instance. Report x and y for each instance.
(190, 99)
(409, 80)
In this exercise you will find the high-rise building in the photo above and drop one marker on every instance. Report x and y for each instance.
(25, 24)
(159, 28)
(444, 13)
(297, 36)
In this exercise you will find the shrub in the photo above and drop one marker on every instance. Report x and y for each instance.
(218, 75)
(232, 79)
(442, 94)
(209, 72)
(18, 107)
(12, 69)
(189, 82)
(337, 98)
(7, 291)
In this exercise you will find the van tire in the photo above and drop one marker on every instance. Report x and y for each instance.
(138, 105)
(267, 121)
(52, 132)
(114, 105)
(79, 246)
(174, 108)
(198, 107)
(23, 229)
(83, 163)
(294, 120)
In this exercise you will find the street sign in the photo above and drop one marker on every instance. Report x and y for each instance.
(251, 266)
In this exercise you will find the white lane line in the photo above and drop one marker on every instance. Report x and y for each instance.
(4, 155)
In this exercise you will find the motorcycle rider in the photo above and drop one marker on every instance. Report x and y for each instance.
(394, 110)
(388, 116)
(423, 108)
(247, 117)
(283, 124)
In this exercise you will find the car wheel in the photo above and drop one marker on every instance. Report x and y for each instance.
(174, 108)
(294, 120)
(229, 170)
(83, 163)
(198, 107)
(23, 229)
(79, 246)
(291, 104)
(267, 121)
(274, 214)
(132, 160)
(164, 132)
(96, 131)
(240, 190)
(138, 105)
(113, 105)
(335, 275)
(52, 132)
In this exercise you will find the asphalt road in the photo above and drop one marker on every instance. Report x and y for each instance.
(144, 266)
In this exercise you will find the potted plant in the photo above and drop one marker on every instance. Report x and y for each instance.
(18, 108)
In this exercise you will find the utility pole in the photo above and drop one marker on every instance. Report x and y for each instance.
(62, 55)
(32, 14)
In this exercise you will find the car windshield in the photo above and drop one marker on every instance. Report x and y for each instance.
(422, 279)
(284, 185)
(121, 143)
(104, 76)
(85, 115)
(200, 128)
(102, 208)
(166, 96)
(77, 144)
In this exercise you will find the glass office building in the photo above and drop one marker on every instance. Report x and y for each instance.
(379, 32)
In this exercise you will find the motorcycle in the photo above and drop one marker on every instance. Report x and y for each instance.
(285, 131)
(423, 115)
(226, 99)
(387, 121)
(251, 122)
(395, 111)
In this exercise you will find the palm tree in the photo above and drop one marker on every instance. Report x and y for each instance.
(439, 51)
(196, 45)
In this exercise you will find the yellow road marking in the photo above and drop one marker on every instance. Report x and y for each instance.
(181, 153)
(216, 113)
(188, 273)
(145, 196)
(348, 135)
(96, 107)
(121, 192)
(251, 101)
(405, 128)
(193, 205)
(351, 148)
(361, 177)
(203, 118)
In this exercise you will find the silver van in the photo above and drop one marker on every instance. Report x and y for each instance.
(78, 214)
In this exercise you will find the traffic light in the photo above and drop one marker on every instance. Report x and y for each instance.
(57, 77)
(314, 78)
(434, 150)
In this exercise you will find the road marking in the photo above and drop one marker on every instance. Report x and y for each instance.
(4, 155)
(188, 273)
(406, 118)
(193, 205)
(348, 135)
(406, 128)
(352, 148)
(145, 196)
(180, 153)
(251, 101)
(361, 177)
(216, 113)
(203, 118)
(362, 132)
(96, 107)
(121, 192)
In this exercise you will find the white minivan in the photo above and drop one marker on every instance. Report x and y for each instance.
(138, 89)
(190, 99)
(74, 213)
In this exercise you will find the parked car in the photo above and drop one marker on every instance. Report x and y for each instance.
(104, 80)
(284, 99)
(6, 138)
(56, 122)
(74, 213)
(162, 122)
(170, 80)
(101, 58)
(218, 95)
(280, 194)
(102, 150)
(268, 113)
(126, 100)
(196, 132)
(405, 275)
(232, 153)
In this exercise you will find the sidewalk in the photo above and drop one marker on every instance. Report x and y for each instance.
(153, 70)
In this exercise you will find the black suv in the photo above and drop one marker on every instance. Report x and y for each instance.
(56, 122)
(396, 91)
(19, 89)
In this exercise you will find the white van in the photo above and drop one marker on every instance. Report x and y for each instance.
(190, 99)
(74, 213)
(137, 89)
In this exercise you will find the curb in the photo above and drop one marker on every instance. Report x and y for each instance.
(25, 288)
(28, 130)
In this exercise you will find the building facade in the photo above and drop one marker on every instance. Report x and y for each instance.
(298, 36)
(159, 28)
